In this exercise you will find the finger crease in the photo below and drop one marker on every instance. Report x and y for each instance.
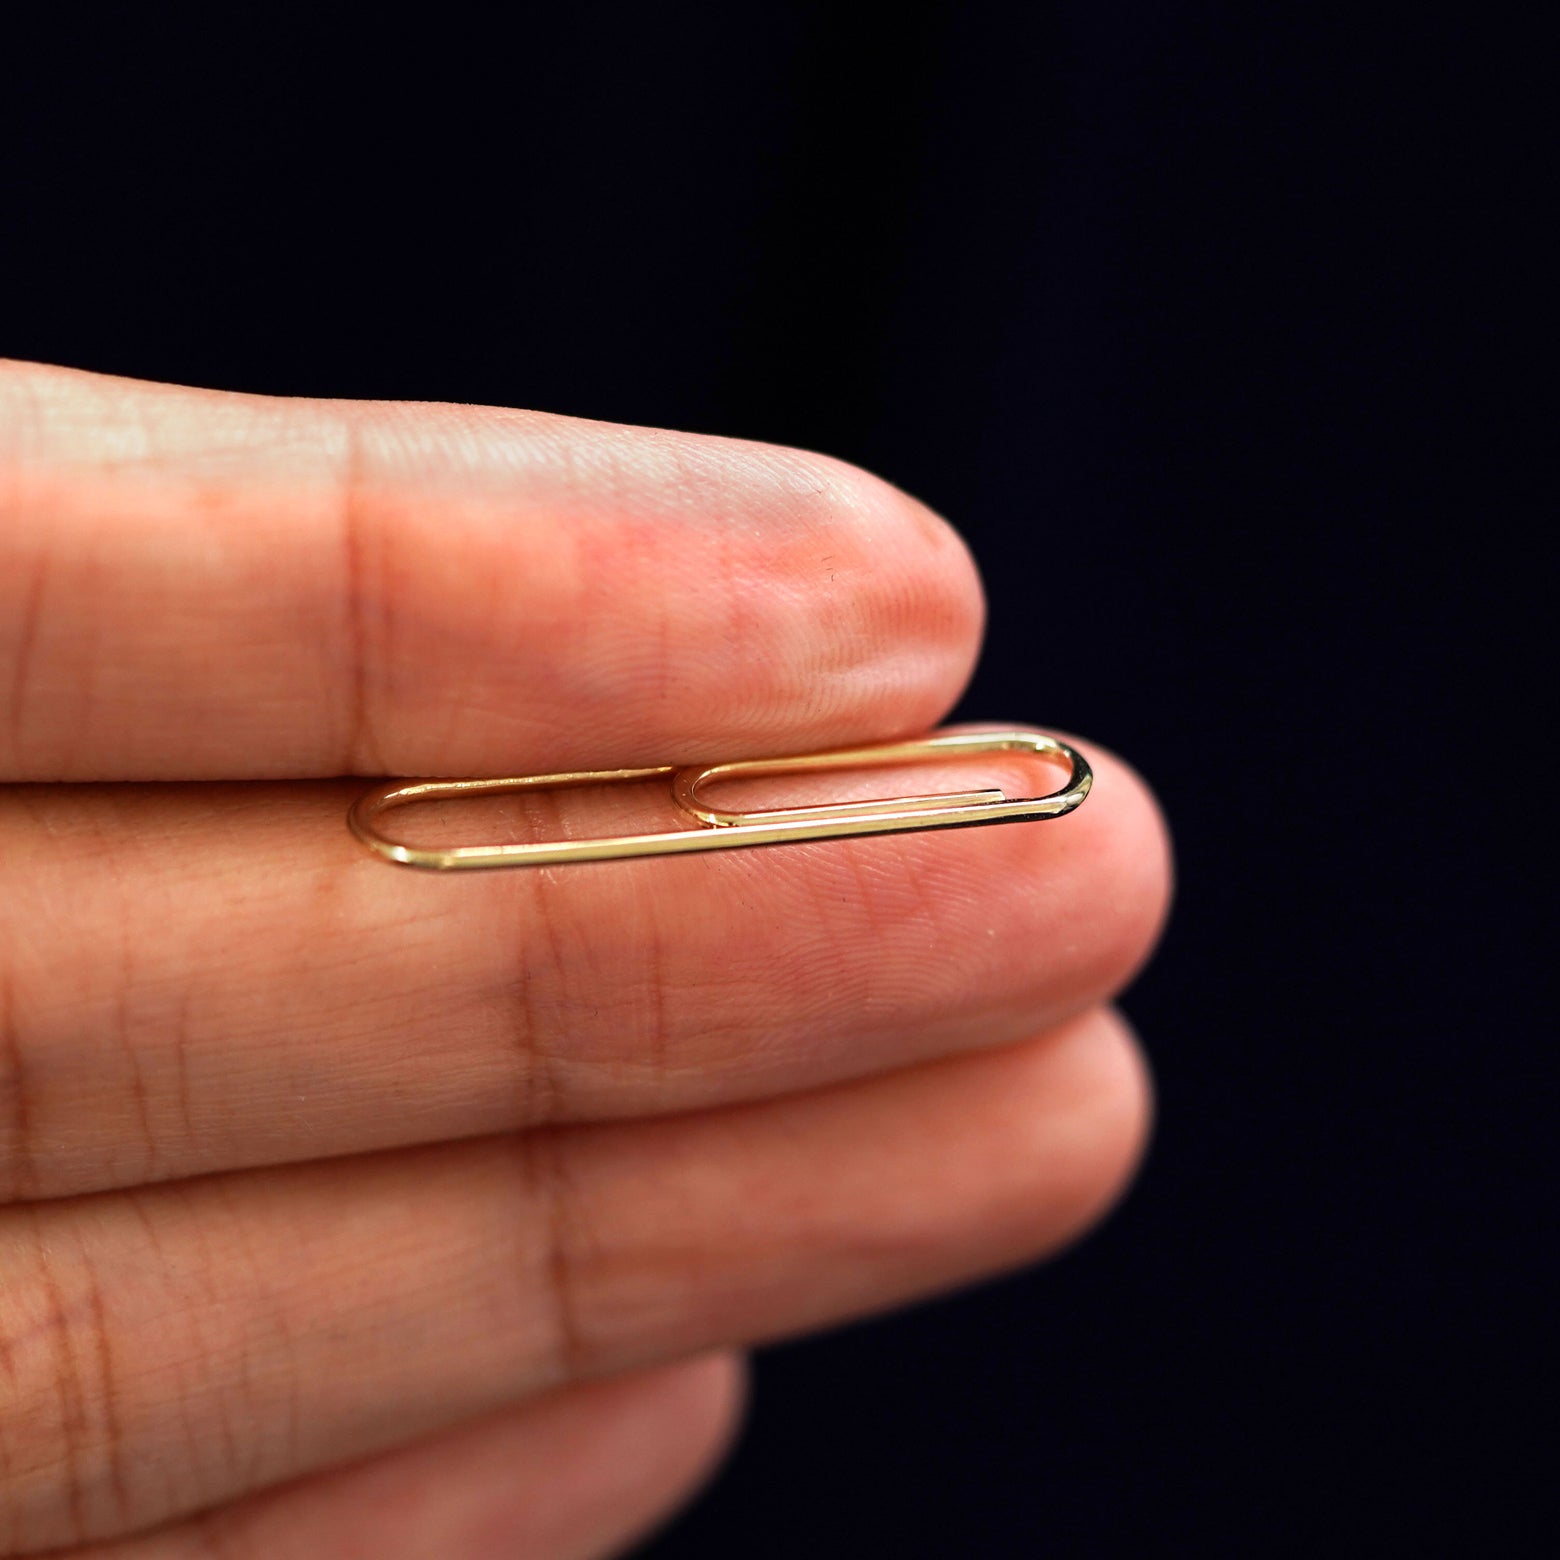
(68, 1391)
(540, 1082)
(14, 1088)
(361, 750)
(216, 1535)
(548, 1183)
(108, 1389)
(27, 638)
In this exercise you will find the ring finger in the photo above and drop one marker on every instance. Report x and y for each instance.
(176, 1346)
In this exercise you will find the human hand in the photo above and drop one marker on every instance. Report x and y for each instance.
(348, 1210)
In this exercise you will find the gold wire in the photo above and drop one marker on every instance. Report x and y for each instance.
(738, 830)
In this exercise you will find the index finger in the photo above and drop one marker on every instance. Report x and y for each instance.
(202, 585)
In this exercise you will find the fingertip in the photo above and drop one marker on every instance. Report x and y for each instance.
(676, 1425)
(1118, 845)
(708, 1399)
(1073, 1124)
(1116, 1112)
(944, 581)
(902, 606)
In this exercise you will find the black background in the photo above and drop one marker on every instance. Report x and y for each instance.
(1214, 328)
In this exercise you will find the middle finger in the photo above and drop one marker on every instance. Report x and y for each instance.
(196, 979)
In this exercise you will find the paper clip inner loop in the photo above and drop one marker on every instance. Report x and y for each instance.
(725, 830)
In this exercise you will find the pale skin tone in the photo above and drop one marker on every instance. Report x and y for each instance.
(346, 1210)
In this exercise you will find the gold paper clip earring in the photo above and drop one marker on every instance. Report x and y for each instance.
(738, 830)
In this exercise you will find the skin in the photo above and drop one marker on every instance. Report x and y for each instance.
(352, 1211)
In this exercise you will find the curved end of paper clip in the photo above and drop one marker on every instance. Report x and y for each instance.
(360, 820)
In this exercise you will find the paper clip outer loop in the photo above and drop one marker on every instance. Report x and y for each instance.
(739, 830)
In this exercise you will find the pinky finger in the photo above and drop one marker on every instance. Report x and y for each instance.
(575, 1476)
